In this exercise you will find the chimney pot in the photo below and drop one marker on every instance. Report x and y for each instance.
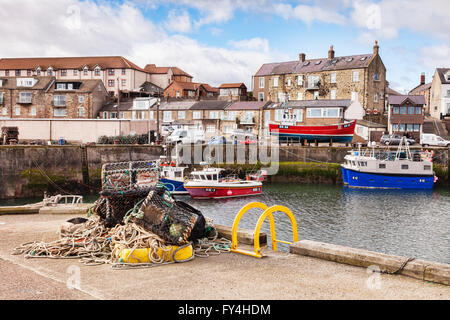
(376, 48)
(331, 53)
(302, 57)
(422, 78)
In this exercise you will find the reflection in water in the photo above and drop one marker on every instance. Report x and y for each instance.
(406, 223)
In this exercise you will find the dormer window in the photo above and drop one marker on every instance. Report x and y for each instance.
(447, 76)
(97, 71)
(50, 71)
(38, 71)
(85, 70)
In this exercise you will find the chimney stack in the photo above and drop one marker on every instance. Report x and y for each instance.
(331, 53)
(302, 57)
(376, 48)
(422, 78)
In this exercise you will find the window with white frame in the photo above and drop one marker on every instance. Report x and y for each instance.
(355, 76)
(1, 97)
(275, 81)
(4, 111)
(316, 95)
(33, 110)
(298, 115)
(80, 112)
(278, 114)
(375, 97)
(59, 100)
(313, 81)
(210, 128)
(232, 115)
(261, 96)
(261, 82)
(81, 99)
(333, 77)
(196, 115)
(300, 80)
(333, 94)
(289, 82)
(152, 116)
(214, 114)
(25, 97)
(177, 94)
(167, 116)
(181, 114)
(299, 95)
(266, 117)
(323, 112)
(59, 112)
(354, 96)
(17, 110)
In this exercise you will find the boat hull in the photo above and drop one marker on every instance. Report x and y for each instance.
(217, 192)
(323, 133)
(357, 179)
(175, 186)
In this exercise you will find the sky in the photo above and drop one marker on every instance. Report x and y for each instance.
(222, 41)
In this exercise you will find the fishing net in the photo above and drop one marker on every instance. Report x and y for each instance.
(174, 221)
(128, 176)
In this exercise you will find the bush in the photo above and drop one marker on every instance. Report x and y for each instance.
(129, 139)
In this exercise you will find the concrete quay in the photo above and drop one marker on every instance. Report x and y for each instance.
(229, 276)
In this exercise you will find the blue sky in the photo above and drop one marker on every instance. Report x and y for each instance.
(228, 40)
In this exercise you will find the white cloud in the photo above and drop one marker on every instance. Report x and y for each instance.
(178, 22)
(256, 44)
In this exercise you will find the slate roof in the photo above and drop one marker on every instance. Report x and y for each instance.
(42, 83)
(420, 88)
(315, 65)
(399, 99)
(441, 72)
(247, 105)
(210, 105)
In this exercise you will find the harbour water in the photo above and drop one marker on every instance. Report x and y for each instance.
(406, 223)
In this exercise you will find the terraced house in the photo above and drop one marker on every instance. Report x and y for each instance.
(46, 97)
(359, 78)
(117, 73)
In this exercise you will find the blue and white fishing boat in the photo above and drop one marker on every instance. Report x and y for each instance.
(173, 178)
(388, 169)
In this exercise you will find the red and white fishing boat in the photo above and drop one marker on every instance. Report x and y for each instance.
(341, 132)
(209, 183)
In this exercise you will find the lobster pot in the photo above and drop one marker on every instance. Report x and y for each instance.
(112, 207)
(174, 221)
(128, 176)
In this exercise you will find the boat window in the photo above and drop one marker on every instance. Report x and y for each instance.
(209, 177)
(203, 177)
(382, 166)
(177, 174)
(426, 167)
(214, 176)
(405, 166)
(353, 163)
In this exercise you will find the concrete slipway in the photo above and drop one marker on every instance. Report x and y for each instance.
(229, 276)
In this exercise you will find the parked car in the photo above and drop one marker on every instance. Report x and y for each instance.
(218, 140)
(429, 139)
(240, 136)
(394, 139)
(186, 136)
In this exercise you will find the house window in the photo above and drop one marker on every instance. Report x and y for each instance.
(80, 112)
(85, 71)
(375, 97)
(25, 97)
(418, 110)
(289, 82)
(110, 83)
(1, 97)
(6, 73)
(376, 77)
(33, 111)
(316, 95)
(49, 72)
(354, 96)
(111, 72)
(81, 99)
(279, 114)
(28, 73)
(17, 73)
(59, 101)
(314, 112)
(210, 128)
(403, 110)
(313, 81)
(333, 77)
(167, 116)
(63, 73)
(333, 94)
(196, 115)
(401, 127)
(177, 94)
(411, 110)
(38, 72)
(124, 82)
(261, 82)
(97, 71)
(113, 115)
(105, 115)
(124, 72)
(355, 76)
(275, 81)
(17, 111)
(395, 110)
(4, 111)
(232, 115)
(60, 86)
(261, 96)
(75, 72)
(300, 80)
(416, 127)
(214, 114)
(299, 95)
(181, 114)
(395, 127)
(298, 113)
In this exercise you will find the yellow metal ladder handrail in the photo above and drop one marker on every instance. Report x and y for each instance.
(268, 212)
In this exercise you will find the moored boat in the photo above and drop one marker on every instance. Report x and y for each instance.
(388, 169)
(341, 132)
(209, 183)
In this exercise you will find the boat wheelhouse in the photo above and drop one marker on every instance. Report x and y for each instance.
(210, 183)
(173, 178)
(388, 169)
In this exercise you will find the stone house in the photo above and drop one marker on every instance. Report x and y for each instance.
(440, 93)
(245, 115)
(117, 73)
(206, 115)
(358, 77)
(164, 76)
(233, 92)
(406, 115)
(423, 89)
